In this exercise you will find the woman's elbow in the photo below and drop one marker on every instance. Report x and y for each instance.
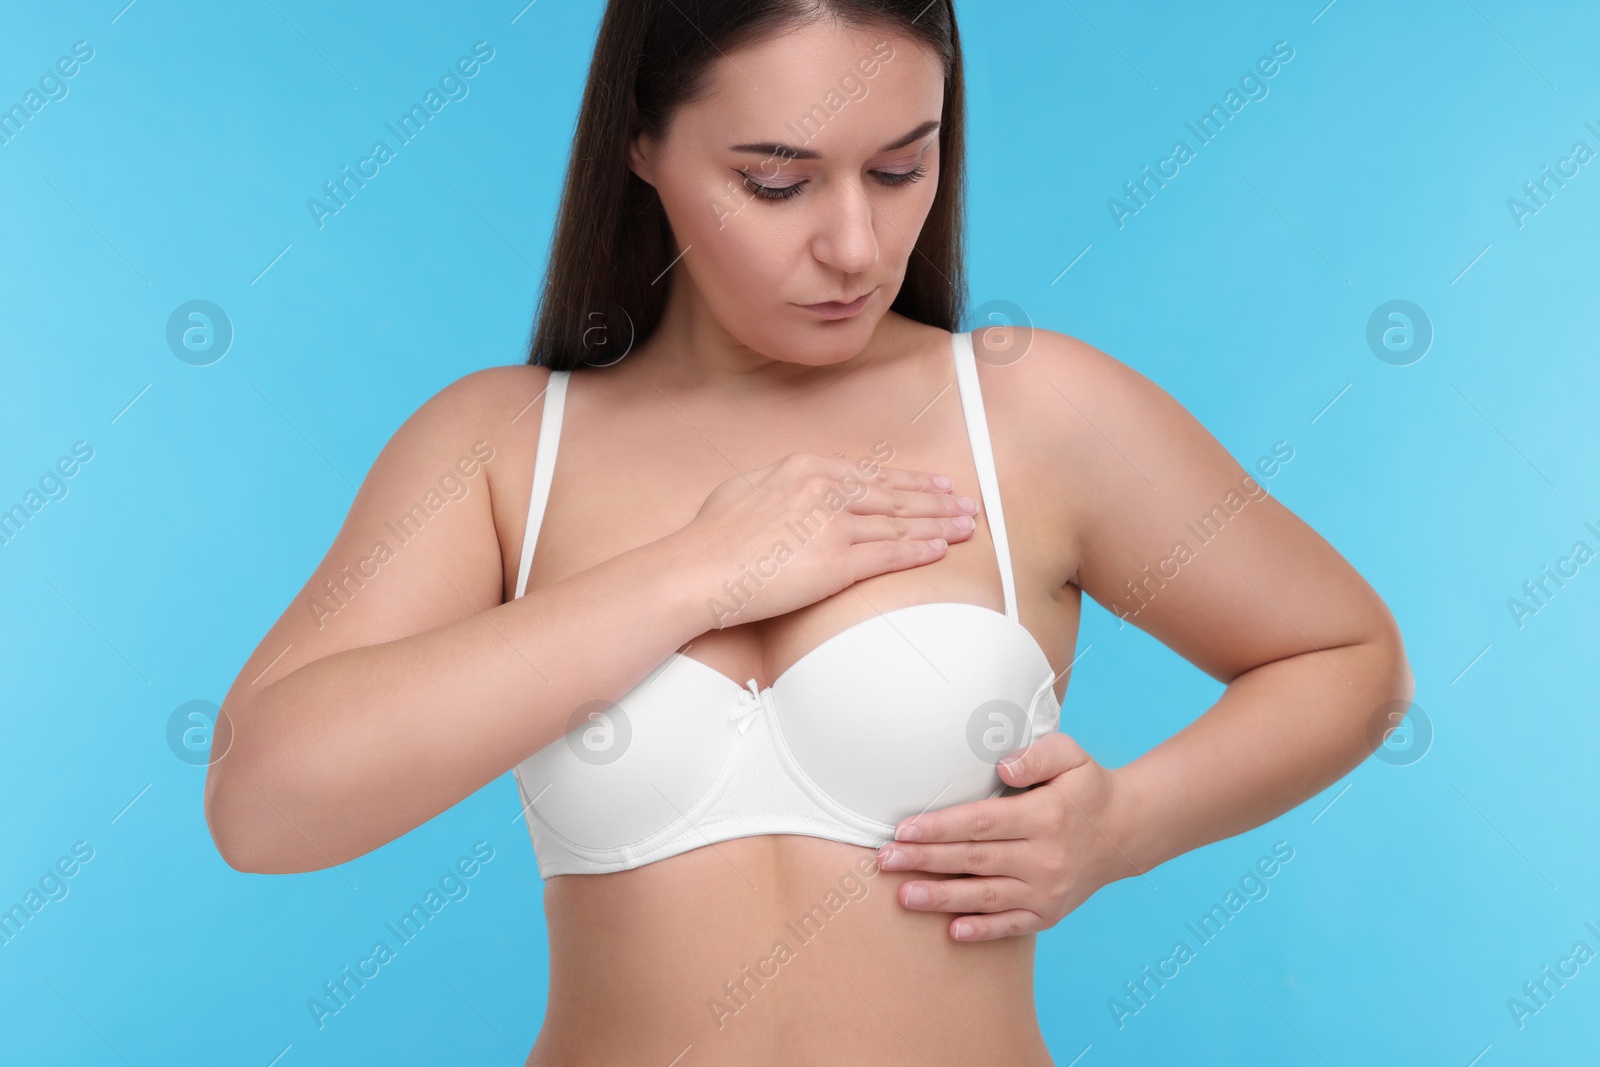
(236, 843)
(1388, 704)
(1401, 683)
(247, 829)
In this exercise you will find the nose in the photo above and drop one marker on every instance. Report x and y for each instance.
(845, 239)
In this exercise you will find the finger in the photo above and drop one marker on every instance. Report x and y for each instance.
(1012, 923)
(871, 558)
(966, 895)
(905, 479)
(909, 503)
(1054, 753)
(893, 528)
(995, 818)
(961, 857)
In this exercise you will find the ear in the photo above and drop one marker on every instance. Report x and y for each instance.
(641, 157)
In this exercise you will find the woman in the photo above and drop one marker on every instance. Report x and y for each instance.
(759, 636)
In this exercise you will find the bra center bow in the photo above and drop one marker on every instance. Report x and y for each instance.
(752, 699)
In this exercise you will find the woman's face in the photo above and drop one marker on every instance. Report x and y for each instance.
(804, 177)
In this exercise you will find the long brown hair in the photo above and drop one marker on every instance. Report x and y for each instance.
(611, 238)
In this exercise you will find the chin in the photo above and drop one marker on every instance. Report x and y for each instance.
(832, 342)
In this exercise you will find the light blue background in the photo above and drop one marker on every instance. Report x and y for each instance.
(1422, 893)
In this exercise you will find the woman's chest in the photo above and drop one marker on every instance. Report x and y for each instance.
(626, 480)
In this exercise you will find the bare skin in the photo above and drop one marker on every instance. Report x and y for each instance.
(880, 983)
(344, 731)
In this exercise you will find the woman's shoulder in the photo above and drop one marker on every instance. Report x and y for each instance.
(495, 413)
(1078, 412)
(1034, 371)
(493, 404)
(490, 392)
(496, 410)
(1035, 348)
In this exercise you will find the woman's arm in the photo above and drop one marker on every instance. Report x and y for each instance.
(1176, 538)
(1179, 540)
(397, 684)
(1281, 733)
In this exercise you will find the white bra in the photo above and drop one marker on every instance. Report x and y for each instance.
(904, 712)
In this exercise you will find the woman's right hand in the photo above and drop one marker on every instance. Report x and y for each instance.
(775, 539)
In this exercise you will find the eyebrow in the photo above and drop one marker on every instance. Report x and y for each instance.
(776, 148)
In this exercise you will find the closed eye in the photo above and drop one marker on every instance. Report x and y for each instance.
(892, 179)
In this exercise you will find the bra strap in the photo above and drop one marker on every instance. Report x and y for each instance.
(544, 463)
(983, 458)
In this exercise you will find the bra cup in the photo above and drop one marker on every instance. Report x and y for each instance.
(619, 779)
(911, 713)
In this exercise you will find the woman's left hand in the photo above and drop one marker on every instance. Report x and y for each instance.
(1031, 858)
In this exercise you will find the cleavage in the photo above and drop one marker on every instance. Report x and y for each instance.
(766, 649)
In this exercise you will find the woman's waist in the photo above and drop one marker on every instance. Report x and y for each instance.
(773, 936)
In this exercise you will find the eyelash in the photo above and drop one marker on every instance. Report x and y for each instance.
(774, 193)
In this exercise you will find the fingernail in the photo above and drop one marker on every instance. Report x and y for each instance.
(967, 504)
(963, 929)
(915, 894)
(942, 482)
(890, 857)
(908, 832)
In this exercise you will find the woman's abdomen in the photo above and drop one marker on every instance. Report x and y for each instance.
(778, 949)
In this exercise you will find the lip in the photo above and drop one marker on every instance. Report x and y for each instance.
(833, 309)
